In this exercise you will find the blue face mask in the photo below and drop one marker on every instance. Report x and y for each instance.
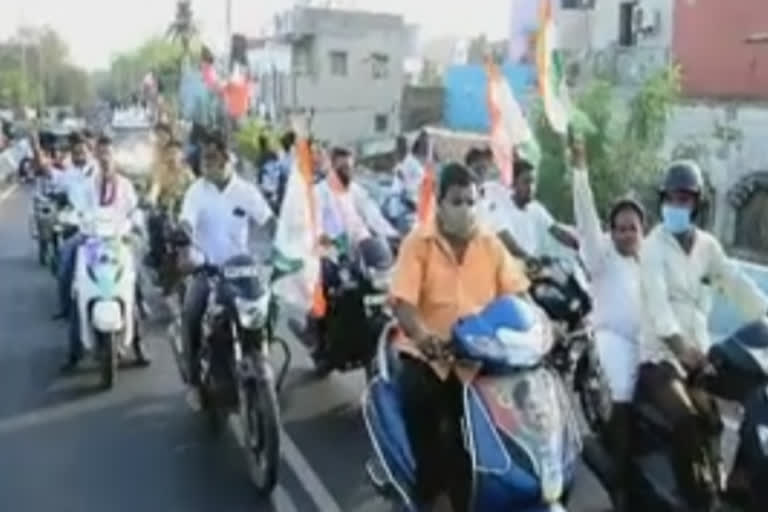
(676, 219)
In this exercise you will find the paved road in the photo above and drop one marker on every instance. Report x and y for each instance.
(66, 448)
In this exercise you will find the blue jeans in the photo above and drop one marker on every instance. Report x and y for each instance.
(67, 260)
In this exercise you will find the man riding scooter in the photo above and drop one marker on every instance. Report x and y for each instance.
(679, 265)
(446, 268)
(104, 189)
(72, 182)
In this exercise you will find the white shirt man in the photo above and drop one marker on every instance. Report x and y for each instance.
(73, 181)
(349, 211)
(529, 226)
(220, 217)
(616, 291)
(117, 195)
(677, 289)
(408, 177)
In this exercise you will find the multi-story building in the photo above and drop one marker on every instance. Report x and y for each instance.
(723, 113)
(344, 69)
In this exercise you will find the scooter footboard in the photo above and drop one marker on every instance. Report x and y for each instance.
(382, 411)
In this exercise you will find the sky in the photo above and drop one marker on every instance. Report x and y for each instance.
(97, 29)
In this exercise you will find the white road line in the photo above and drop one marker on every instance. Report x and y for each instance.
(314, 487)
(281, 500)
(319, 493)
(5, 195)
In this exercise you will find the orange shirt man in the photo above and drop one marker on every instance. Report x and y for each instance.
(445, 270)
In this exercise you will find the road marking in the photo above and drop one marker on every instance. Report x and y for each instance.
(317, 491)
(63, 411)
(5, 195)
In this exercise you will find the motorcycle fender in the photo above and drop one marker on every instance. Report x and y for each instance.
(107, 316)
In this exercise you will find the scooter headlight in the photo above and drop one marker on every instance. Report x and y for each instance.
(252, 313)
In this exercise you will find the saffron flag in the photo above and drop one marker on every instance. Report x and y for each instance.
(425, 209)
(509, 128)
(296, 251)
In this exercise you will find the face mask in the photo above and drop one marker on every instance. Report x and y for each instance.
(215, 173)
(458, 221)
(676, 219)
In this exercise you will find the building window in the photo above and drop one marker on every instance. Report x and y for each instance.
(577, 4)
(339, 63)
(381, 122)
(302, 59)
(380, 66)
(627, 35)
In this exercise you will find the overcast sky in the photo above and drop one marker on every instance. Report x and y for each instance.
(96, 29)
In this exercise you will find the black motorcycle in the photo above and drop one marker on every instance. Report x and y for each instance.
(356, 285)
(163, 254)
(738, 373)
(236, 376)
(560, 288)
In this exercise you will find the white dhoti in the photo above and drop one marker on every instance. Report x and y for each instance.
(619, 358)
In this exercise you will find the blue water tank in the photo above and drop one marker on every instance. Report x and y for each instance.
(465, 104)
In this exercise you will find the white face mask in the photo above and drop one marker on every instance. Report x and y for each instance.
(458, 221)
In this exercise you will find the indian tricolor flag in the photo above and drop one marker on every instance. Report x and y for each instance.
(509, 128)
(296, 252)
(551, 70)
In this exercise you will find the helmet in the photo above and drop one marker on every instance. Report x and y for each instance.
(685, 176)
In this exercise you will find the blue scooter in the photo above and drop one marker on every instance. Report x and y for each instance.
(519, 426)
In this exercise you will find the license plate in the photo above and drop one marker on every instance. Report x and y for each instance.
(241, 272)
(375, 300)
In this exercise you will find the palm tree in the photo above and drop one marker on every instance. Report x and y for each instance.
(183, 27)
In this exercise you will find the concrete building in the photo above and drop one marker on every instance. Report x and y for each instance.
(345, 71)
(624, 39)
(722, 117)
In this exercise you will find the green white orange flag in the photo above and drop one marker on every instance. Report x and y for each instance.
(296, 251)
(509, 128)
(551, 71)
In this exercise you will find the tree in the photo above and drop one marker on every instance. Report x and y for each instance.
(156, 55)
(183, 28)
(36, 68)
(623, 149)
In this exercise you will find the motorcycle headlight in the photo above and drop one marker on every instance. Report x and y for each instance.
(252, 313)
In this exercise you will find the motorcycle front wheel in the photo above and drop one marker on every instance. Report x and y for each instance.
(107, 347)
(53, 256)
(42, 251)
(215, 412)
(262, 434)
